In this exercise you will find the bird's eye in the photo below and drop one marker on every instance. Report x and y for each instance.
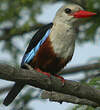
(68, 10)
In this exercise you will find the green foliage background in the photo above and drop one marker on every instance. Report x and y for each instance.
(11, 28)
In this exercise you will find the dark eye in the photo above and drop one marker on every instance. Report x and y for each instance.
(68, 10)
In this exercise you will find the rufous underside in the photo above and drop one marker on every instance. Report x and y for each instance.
(47, 60)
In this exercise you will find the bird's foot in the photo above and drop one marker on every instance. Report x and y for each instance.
(62, 79)
(45, 73)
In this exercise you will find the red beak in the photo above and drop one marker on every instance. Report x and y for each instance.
(83, 14)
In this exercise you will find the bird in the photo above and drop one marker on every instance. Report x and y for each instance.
(52, 46)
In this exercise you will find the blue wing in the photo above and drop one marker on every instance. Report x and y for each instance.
(29, 56)
(34, 45)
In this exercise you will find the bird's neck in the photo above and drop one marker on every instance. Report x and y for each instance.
(61, 32)
(62, 38)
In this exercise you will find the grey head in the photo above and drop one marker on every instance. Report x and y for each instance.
(66, 13)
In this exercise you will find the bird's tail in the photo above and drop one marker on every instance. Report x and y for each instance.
(13, 93)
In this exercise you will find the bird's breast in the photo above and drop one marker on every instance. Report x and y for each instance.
(56, 51)
(47, 60)
(63, 40)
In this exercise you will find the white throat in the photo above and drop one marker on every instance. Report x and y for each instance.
(63, 39)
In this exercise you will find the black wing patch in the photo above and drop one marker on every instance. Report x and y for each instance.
(38, 36)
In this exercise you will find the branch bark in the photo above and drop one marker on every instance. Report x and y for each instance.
(71, 70)
(39, 80)
(59, 97)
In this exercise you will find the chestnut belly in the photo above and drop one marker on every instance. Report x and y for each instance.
(47, 61)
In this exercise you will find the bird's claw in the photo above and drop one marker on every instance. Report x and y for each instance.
(45, 73)
(62, 79)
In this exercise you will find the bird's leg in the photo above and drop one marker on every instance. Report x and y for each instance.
(45, 73)
(62, 79)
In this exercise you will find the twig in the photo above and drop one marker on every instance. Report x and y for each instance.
(20, 31)
(77, 69)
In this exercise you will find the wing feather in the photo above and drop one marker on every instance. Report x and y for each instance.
(34, 45)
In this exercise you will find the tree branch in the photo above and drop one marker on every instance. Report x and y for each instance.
(50, 84)
(59, 97)
(88, 67)
(18, 31)
(80, 2)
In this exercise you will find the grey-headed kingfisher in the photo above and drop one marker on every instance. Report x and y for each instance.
(52, 47)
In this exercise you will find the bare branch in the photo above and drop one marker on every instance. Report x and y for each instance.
(59, 97)
(18, 31)
(83, 3)
(82, 68)
(50, 84)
